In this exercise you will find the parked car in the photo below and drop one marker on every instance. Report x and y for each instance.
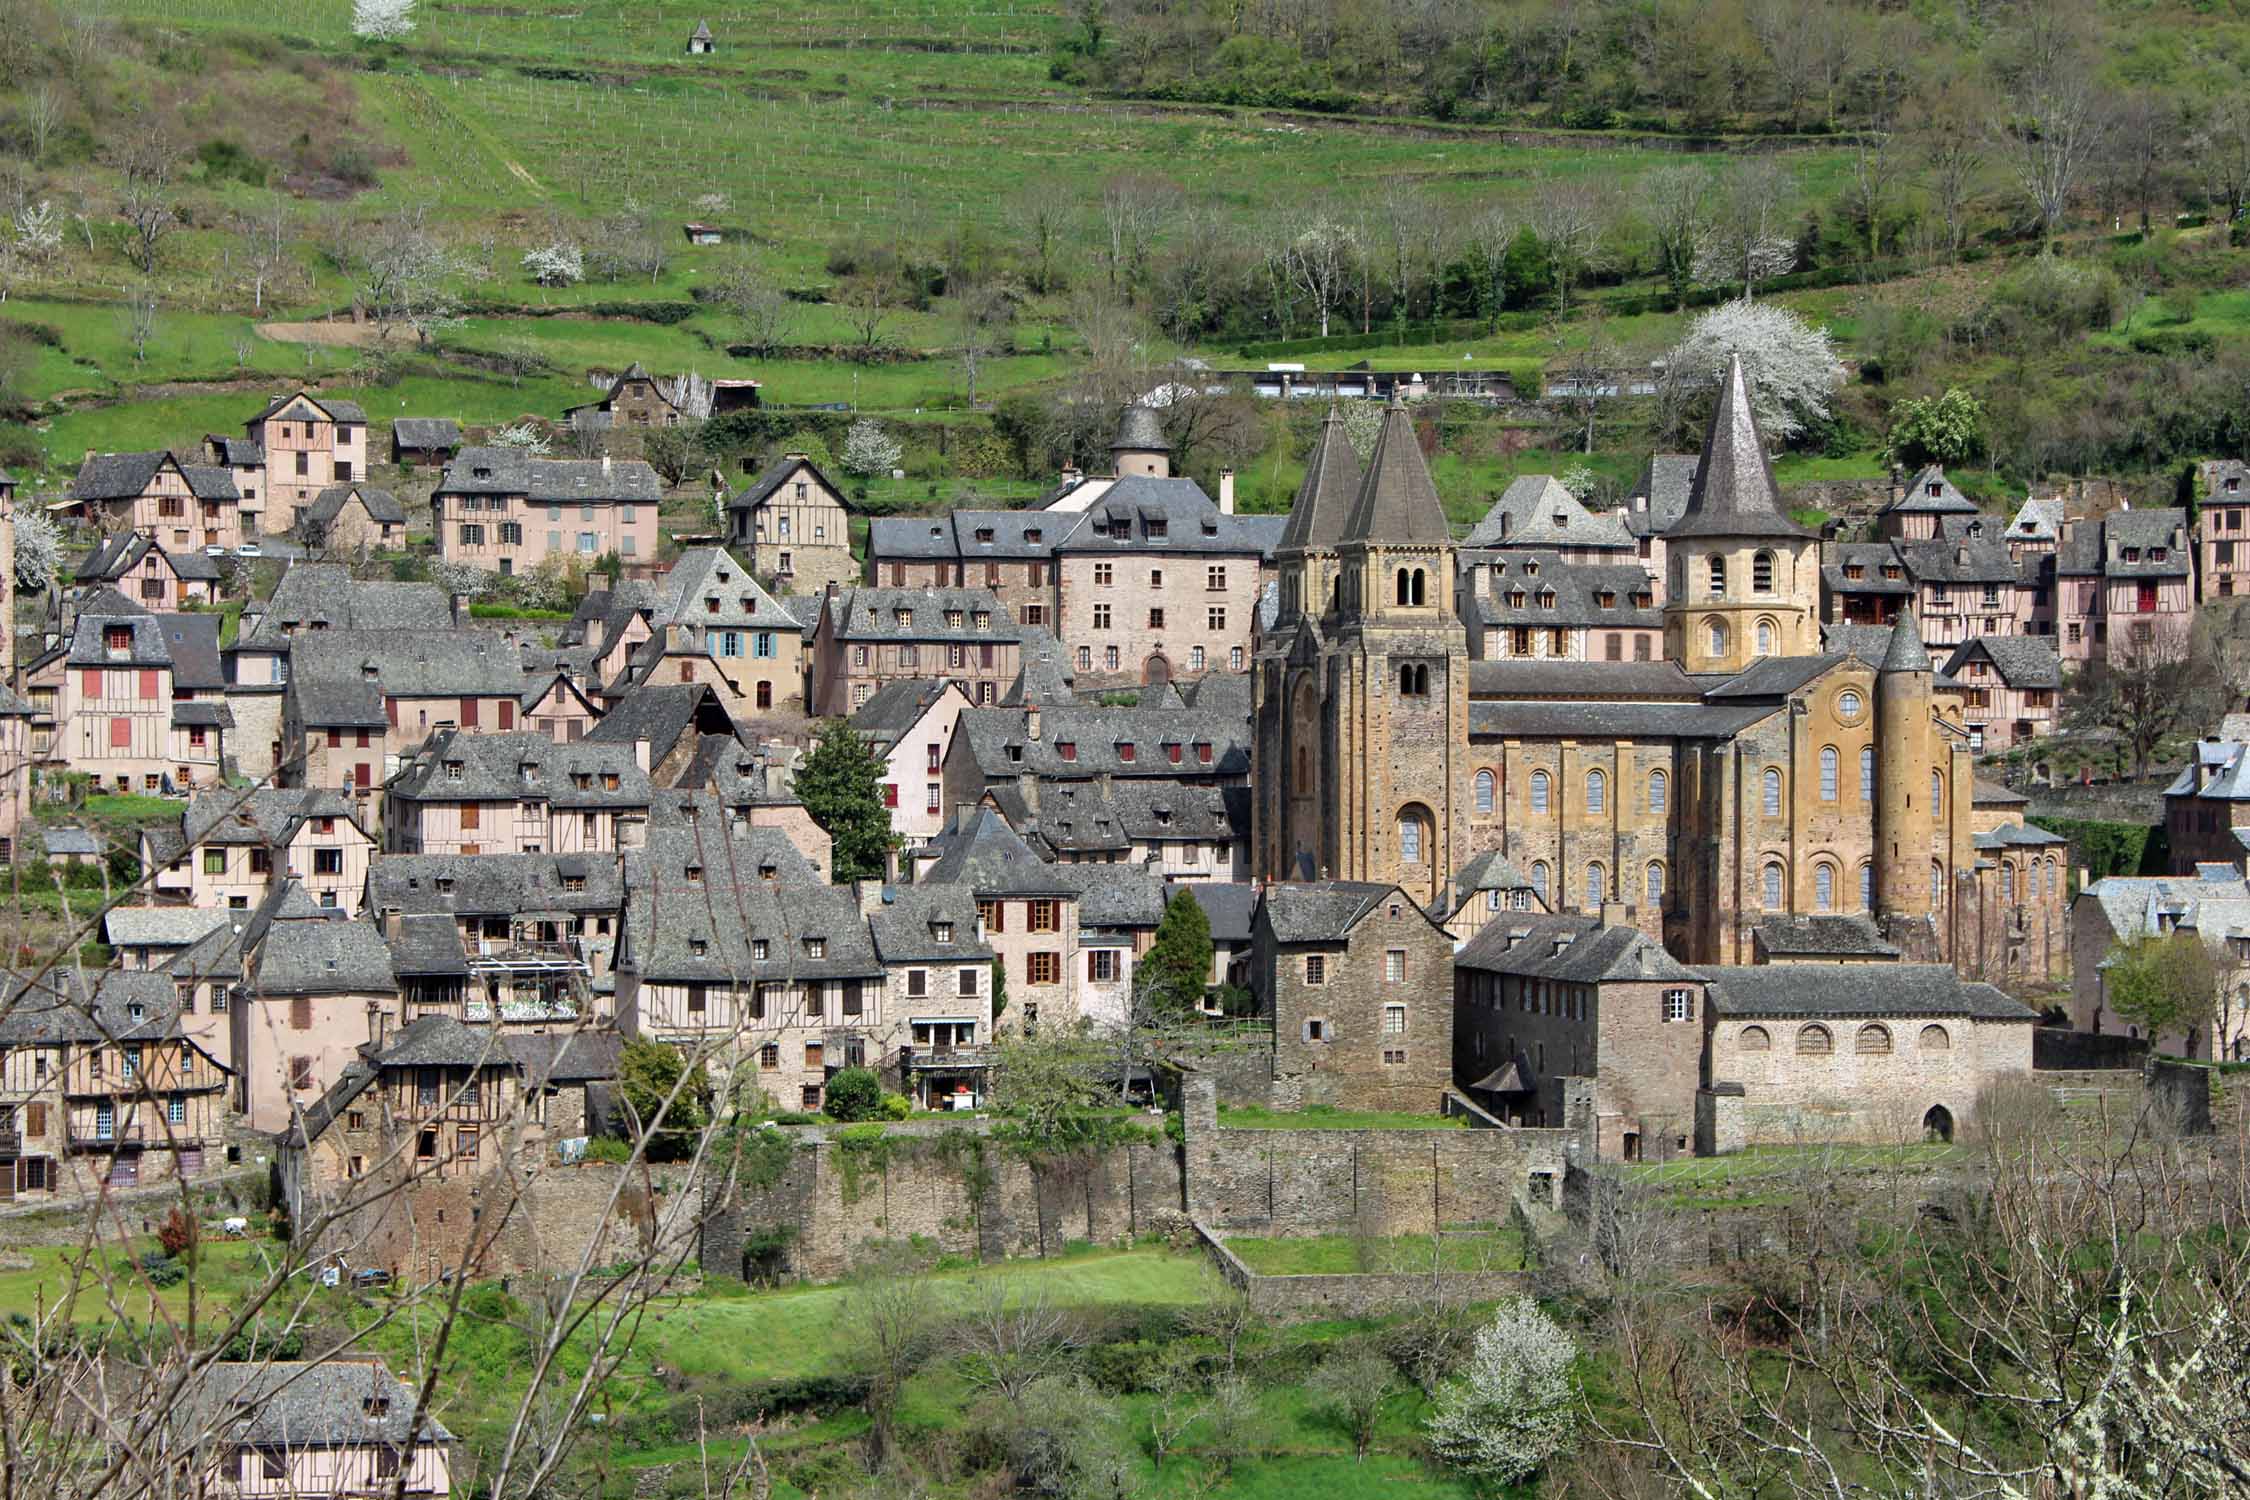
(249, 549)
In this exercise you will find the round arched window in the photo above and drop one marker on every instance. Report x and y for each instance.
(1539, 879)
(1874, 1040)
(1848, 704)
(1658, 785)
(1936, 1039)
(1486, 786)
(1813, 1040)
(1539, 784)
(1765, 637)
(1775, 878)
(1755, 1039)
(1824, 887)
(1653, 886)
(1716, 638)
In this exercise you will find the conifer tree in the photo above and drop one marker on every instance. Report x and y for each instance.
(841, 785)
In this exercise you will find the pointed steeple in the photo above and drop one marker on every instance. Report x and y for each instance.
(1906, 652)
(1734, 493)
(1397, 503)
(1324, 500)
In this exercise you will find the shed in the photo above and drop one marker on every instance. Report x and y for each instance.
(700, 41)
(425, 440)
(699, 233)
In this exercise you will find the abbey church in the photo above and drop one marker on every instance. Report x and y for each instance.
(1757, 774)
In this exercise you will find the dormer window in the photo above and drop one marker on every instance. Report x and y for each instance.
(1976, 529)
(367, 671)
(1210, 527)
(953, 619)
(984, 533)
(816, 947)
(1067, 749)
(2157, 554)
(1606, 599)
(1203, 751)
(376, 1406)
(1015, 754)
(1164, 817)
(453, 770)
(1855, 571)
(582, 780)
(1562, 518)
(445, 885)
(2132, 554)
(1516, 598)
(711, 604)
(1125, 750)
(749, 604)
(118, 638)
(1033, 533)
(982, 619)
(1644, 600)
(530, 770)
(610, 781)
(695, 874)
(767, 872)
(1172, 752)
(904, 617)
(1547, 599)
(698, 947)
(1531, 570)
(1892, 571)
(1155, 529)
(574, 883)
(1935, 488)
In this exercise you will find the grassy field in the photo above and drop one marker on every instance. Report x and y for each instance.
(1767, 1162)
(1345, 1255)
(1321, 1117)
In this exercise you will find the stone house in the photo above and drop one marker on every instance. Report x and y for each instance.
(1009, 552)
(1027, 913)
(1877, 1053)
(311, 598)
(230, 846)
(1358, 982)
(424, 440)
(1529, 605)
(732, 951)
(794, 525)
(309, 443)
(1581, 1020)
(2012, 685)
(2207, 807)
(352, 518)
(523, 938)
(1185, 833)
(937, 992)
(497, 509)
(1658, 499)
(150, 937)
(700, 42)
(99, 1085)
(16, 756)
(520, 793)
(635, 399)
(755, 647)
(185, 507)
(140, 569)
(2014, 925)
(358, 701)
(246, 461)
(337, 1427)
(909, 725)
(139, 701)
(1535, 513)
(867, 637)
(1918, 509)
(1156, 582)
(2213, 903)
(1962, 583)
(1168, 739)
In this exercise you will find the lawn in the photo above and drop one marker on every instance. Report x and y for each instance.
(1321, 1117)
(230, 1268)
(1347, 1255)
(1769, 1162)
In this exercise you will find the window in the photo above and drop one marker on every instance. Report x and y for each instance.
(1101, 965)
(1101, 617)
(1824, 887)
(1539, 791)
(1828, 769)
(1539, 880)
(1394, 1020)
(1394, 965)
(1679, 1005)
(1813, 1040)
(1653, 886)
(1717, 569)
(2007, 882)
(1316, 1030)
(1394, 1056)
(1316, 969)
(1409, 839)
(1867, 773)
(1772, 785)
(1716, 638)
(1754, 1039)
(1043, 968)
(1103, 575)
(1773, 885)
(1042, 916)
(1217, 619)
(214, 861)
(1937, 794)
(1485, 785)
(1597, 885)
(1936, 1039)
(1597, 790)
(1156, 619)
(1659, 785)
(1765, 637)
(1874, 1040)
(1761, 573)
(1866, 886)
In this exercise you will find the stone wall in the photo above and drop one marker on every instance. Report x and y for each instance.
(2109, 802)
(1357, 1294)
(2057, 1048)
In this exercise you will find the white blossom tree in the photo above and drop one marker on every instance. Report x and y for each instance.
(1318, 256)
(522, 435)
(38, 551)
(868, 449)
(1363, 423)
(1790, 363)
(1515, 1405)
(37, 231)
(383, 20)
(559, 264)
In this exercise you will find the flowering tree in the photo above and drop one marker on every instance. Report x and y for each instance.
(868, 449)
(1515, 1405)
(382, 20)
(38, 550)
(559, 264)
(1790, 363)
(524, 436)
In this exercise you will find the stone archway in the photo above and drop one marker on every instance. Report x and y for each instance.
(1937, 1125)
(1156, 671)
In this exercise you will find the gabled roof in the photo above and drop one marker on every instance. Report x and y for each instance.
(776, 474)
(705, 577)
(1822, 936)
(906, 927)
(1140, 513)
(1666, 481)
(1324, 911)
(426, 432)
(117, 556)
(982, 852)
(126, 476)
(1000, 743)
(380, 505)
(1230, 907)
(551, 481)
(1871, 989)
(1397, 501)
(322, 598)
(896, 707)
(322, 409)
(2038, 520)
(458, 765)
(284, 1404)
(1325, 497)
(1571, 948)
(368, 665)
(874, 614)
(1931, 493)
(1734, 493)
(1536, 511)
(2023, 661)
(494, 885)
(1538, 588)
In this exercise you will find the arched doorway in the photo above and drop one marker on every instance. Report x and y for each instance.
(1937, 1125)
(1156, 671)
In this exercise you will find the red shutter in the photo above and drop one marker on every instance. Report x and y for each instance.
(91, 684)
(148, 684)
(984, 656)
(468, 713)
(364, 774)
(507, 714)
(890, 794)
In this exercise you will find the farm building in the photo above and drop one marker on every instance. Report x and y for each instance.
(425, 440)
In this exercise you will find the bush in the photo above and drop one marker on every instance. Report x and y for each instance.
(162, 1269)
(177, 1233)
(854, 1094)
(897, 1106)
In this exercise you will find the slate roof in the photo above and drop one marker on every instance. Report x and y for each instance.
(668, 916)
(2023, 661)
(160, 926)
(426, 946)
(1489, 871)
(2229, 781)
(661, 713)
(322, 957)
(1612, 681)
(238, 452)
(106, 600)
(1823, 936)
(341, 677)
(1116, 898)
(904, 927)
(551, 481)
(70, 841)
(1220, 693)
(1918, 498)
(2018, 836)
(1230, 907)
(1078, 817)
(1572, 949)
(441, 1041)
(1774, 677)
(1320, 911)
(522, 766)
(494, 885)
(1984, 560)
(1138, 429)
(707, 574)
(872, 614)
(324, 597)
(1905, 652)
(337, 411)
(72, 1005)
(982, 852)
(1536, 511)
(1559, 594)
(1397, 501)
(424, 433)
(126, 476)
(380, 505)
(1326, 494)
(1601, 718)
(1119, 522)
(1666, 481)
(2214, 902)
(561, 1058)
(1872, 989)
(1734, 494)
(997, 740)
(775, 475)
(263, 817)
(117, 556)
(2093, 548)
(1871, 558)
(292, 1404)
(2038, 520)
(896, 707)
(959, 535)
(151, 644)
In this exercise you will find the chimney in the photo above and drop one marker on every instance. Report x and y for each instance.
(89, 456)
(376, 1017)
(1505, 526)
(871, 896)
(640, 751)
(1616, 914)
(1027, 784)
(1898, 483)
(1226, 492)
(460, 604)
(1640, 502)
(605, 463)
(1031, 723)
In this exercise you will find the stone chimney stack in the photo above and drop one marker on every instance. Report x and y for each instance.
(1226, 492)
(1616, 914)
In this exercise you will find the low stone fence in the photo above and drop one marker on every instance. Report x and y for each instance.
(1355, 1294)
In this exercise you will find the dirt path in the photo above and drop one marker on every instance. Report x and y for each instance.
(341, 335)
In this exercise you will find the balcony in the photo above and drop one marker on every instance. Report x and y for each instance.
(493, 957)
(11, 1142)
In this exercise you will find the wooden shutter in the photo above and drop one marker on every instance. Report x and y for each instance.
(390, 711)
(90, 682)
(471, 815)
(120, 734)
(35, 1119)
(148, 684)
(507, 714)
(468, 713)
(300, 1013)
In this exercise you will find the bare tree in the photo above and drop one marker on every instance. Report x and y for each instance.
(137, 319)
(2221, 148)
(1951, 153)
(1009, 1339)
(1747, 242)
(403, 275)
(980, 320)
(1318, 255)
(1675, 204)
(2147, 688)
(1351, 1390)
(1133, 205)
(148, 158)
(762, 311)
(1041, 215)
(1573, 218)
(2051, 119)
(43, 112)
(867, 306)
(264, 237)
(890, 1319)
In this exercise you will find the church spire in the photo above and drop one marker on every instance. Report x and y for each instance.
(1324, 500)
(1397, 505)
(1906, 652)
(1734, 493)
